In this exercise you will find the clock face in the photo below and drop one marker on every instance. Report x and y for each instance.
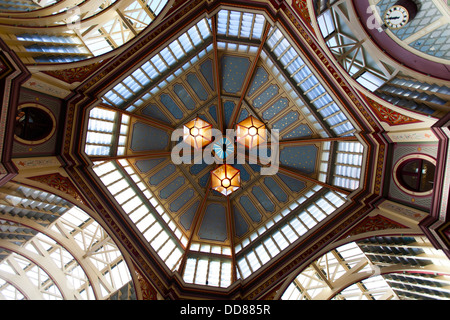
(396, 17)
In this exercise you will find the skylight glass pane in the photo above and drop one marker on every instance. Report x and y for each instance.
(307, 220)
(253, 261)
(176, 49)
(322, 101)
(214, 272)
(288, 56)
(289, 233)
(316, 92)
(153, 231)
(225, 277)
(271, 247)
(273, 40)
(325, 206)
(145, 223)
(204, 28)
(244, 268)
(370, 81)
(167, 56)
(337, 118)
(185, 43)
(150, 70)
(125, 195)
(202, 269)
(102, 126)
(262, 254)
(122, 91)
(190, 270)
(159, 240)
(280, 240)
(298, 226)
(158, 63)
(316, 212)
(98, 138)
(132, 84)
(195, 36)
(174, 257)
(131, 205)
(326, 23)
(281, 47)
(258, 27)
(234, 23)
(295, 65)
(222, 21)
(246, 27)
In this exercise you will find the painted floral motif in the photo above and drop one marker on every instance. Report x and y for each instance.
(148, 292)
(375, 223)
(301, 6)
(389, 116)
(75, 74)
(60, 183)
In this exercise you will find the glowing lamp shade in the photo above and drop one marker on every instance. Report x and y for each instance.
(225, 179)
(197, 133)
(250, 132)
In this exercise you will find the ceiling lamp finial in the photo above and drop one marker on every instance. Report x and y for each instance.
(225, 179)
(197, 133)
(251, 132)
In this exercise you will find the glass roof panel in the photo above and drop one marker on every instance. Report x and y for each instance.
(178, 82)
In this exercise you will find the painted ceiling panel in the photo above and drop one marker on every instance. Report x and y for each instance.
(270, 92)
(206, 68)
(153, 111)
(184, 96)
(171, 106)
(188, 215)
(197, 86)
(161, 175)
(173, 186)
(245, 176)
(214, 224)
(240, 225)
(146, 165)
(436, 43)
(263, 199)
(275, 108)
(300, 131)
(213, 112)
(204, 180)
(302, 158)
(195, 169)
(139, 138)
(294, 185)
(228, 107)
(276, 190)
(260, 78)
(181, 200)
(250, 209)
(234, 71)
(285, 121)
(242, 115)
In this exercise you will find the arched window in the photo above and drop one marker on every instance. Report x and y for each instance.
(416, 175)
(34, 124)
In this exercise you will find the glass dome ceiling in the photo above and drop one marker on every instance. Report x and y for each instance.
(223, 68)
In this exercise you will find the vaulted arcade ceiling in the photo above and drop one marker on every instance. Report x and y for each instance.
(222, 63)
